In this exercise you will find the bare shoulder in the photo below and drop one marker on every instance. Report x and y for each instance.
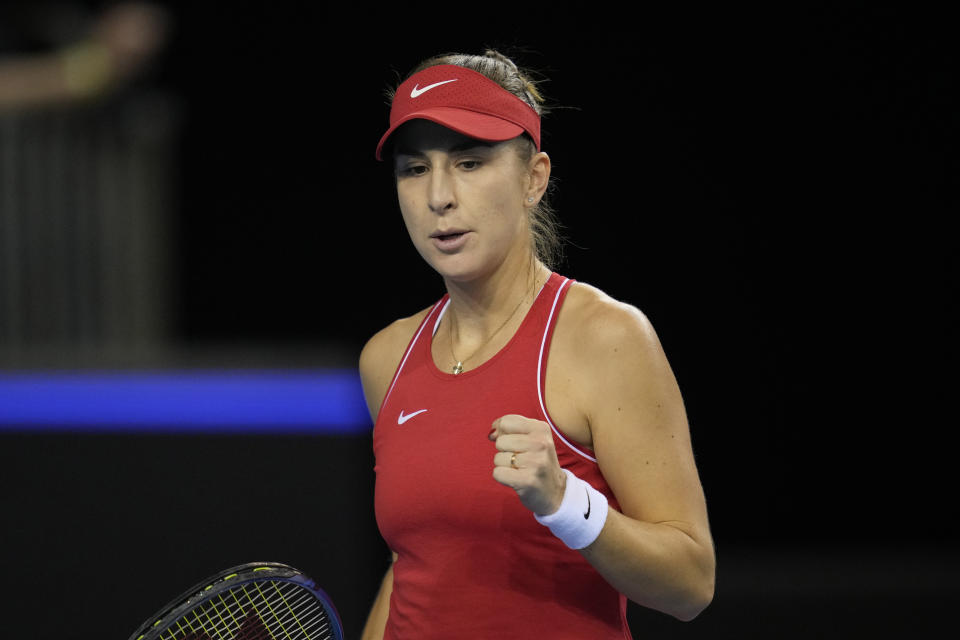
(601, 325)
(381, 355)
(611, 356)
(626, 390)
(602, 351)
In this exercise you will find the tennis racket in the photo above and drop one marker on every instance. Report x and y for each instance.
(254, 601)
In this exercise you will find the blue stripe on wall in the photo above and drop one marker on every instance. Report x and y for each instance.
(243, 401)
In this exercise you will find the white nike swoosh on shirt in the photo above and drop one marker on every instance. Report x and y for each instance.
(417, 91)
(403, 418)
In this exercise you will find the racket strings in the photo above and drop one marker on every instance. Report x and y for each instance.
(273, 610)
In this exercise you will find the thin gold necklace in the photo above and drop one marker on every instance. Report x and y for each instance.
(458, 368)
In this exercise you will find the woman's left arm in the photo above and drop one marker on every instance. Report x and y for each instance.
(657, 550)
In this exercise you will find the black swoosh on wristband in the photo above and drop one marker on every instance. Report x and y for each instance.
(587, 514)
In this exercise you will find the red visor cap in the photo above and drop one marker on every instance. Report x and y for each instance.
(465, 101)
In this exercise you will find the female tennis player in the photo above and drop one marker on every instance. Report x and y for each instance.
(533, 460)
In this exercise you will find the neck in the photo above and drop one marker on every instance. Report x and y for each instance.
(479, 306)
(484, 313)
(482, 318)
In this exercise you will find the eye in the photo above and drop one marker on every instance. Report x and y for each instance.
(411, 170)
(469, 165)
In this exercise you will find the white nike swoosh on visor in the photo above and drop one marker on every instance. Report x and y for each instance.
(403, 418)
(417, 91)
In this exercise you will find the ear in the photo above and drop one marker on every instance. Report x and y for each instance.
(538, 177)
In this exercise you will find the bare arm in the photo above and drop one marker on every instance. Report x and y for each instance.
(378, 362)
(657, 550)
(377, 619)
(124, 39)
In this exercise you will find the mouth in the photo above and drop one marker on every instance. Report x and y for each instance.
(449, 234)
(449, 240)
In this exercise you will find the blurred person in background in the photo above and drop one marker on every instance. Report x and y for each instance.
(58, 53)
(87, 138)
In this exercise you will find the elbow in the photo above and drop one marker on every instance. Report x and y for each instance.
(685, 601)
(696, 601)
(699, 593)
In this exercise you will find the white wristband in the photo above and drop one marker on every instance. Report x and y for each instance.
(581, 515)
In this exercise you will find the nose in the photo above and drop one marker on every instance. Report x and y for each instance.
(441, 196)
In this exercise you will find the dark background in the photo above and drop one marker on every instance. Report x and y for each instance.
(772, 187)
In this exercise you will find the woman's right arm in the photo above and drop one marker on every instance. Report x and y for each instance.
(378, 362)
(377, 620)
(380, 358)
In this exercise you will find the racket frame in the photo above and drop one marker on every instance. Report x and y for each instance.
(224, 580)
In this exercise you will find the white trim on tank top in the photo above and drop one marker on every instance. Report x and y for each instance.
(436, 325)
(543, 407)
(413, 342)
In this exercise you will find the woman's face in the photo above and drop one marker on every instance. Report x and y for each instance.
(463, 200)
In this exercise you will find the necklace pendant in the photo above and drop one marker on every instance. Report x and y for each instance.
(458, 368)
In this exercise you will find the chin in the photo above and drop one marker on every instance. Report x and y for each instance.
(467, 265)
(457, 268)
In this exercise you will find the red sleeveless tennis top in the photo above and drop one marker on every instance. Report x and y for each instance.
(472, 561)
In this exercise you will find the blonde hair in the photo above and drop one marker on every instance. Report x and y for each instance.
(545, 227)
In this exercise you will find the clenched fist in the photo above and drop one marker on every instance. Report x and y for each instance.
(526, 461)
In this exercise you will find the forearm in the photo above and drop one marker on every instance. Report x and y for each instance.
(667, 567)
(72, 73)
(377, 620)
(26, 82)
